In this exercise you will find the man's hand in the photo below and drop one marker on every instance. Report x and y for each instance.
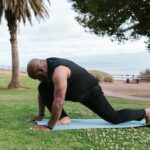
(42, 128)
(37, 118)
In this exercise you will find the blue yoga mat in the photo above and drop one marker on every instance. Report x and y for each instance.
(94, 123)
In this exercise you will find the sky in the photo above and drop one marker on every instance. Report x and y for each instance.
(61, 36)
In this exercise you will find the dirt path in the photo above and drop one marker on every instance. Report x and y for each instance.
(124, 90)
(123, 96)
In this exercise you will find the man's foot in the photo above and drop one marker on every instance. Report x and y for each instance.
(147, 117)
(65, 120)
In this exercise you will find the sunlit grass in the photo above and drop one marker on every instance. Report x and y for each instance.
(18, 106)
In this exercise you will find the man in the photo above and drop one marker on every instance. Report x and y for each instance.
(60, 80)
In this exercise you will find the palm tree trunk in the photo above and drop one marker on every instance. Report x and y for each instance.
(15, 78)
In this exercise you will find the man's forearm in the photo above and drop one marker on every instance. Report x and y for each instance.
(56, 112)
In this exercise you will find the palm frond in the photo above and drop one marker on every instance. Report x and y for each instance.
(24, 9)
(39, 9)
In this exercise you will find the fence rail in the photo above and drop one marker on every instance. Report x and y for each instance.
(124, 76)
(131, 77)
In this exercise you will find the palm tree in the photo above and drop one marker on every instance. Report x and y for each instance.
(16, 11)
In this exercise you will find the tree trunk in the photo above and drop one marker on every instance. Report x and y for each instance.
(15, 78)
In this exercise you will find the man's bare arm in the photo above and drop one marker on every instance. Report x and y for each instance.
(41, 109)
(41, 106)
(60, 87)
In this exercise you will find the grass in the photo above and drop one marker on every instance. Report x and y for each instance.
(18, 106)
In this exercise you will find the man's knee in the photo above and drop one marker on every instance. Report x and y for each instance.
(41, 87)
(115, 121)
(46, 91)
(115, 118)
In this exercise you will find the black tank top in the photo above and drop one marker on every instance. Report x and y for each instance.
(80, 81)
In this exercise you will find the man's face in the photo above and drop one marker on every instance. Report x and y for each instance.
(36, 70)
(41, 76)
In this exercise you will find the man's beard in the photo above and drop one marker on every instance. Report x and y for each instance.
(43, 77)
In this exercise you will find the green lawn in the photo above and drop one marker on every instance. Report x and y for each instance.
(18, 106)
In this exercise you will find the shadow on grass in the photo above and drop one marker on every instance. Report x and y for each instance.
(2, 88)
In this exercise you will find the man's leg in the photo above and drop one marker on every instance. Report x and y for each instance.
(97, 102)
(46, 94)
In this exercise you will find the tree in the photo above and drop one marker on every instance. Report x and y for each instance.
(120, 19)
(16, 11)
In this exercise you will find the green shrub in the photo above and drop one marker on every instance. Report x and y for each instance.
(146, 72)
(145, 75)
(101, 76)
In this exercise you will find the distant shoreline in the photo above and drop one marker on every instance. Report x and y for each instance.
(9, 68)
(117, 63)
(120, 76)
(8, 71)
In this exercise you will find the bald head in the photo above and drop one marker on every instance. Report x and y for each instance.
(37, 69)
(32, 67)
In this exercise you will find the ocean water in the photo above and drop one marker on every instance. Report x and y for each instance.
(115, 64)
(120, 63)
